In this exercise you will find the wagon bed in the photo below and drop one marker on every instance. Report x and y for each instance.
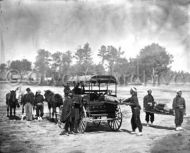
(99, 103)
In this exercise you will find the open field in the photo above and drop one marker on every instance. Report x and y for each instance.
(43, 136)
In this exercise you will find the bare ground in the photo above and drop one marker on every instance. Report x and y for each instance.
(44, 136)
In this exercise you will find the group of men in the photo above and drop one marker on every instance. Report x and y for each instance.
(31, 102)
(72, 108)
(179, 109)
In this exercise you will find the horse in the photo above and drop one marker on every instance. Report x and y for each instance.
(11, 102)
(54, 101)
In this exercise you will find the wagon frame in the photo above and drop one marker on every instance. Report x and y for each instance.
(99, 105)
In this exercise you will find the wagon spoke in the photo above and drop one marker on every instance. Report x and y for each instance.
(116, 123)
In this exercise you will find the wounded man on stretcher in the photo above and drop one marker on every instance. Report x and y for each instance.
(161, 109)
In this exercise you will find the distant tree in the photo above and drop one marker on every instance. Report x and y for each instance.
(16, 65)
(42, 62)
(68, 58)
(99, 69)
(102, 53)
(114, 58)
(187, 77)
(154, 60)
(66, 62)
(83, 55)
(56, 61)
(84, 59)
(21, 65)
(26, 65)
(3, 67)
(168, 76)
(122, 69)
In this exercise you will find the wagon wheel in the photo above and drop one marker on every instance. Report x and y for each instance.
(115, 124)
(59, 123)
(96, 123)
(83, 122)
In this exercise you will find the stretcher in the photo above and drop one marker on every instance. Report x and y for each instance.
(161, 109)
(160, 112)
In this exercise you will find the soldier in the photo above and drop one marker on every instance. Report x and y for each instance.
(148, 103)
(67, 90)
(77, 90)
(39, 99)
(179, 108)
(66, 115)
(135, 107)
(76, 110)
(28, 101)
(77, 103)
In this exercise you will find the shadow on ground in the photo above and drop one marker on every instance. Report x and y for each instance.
(174, 143)
(159, 127)
(14, 117)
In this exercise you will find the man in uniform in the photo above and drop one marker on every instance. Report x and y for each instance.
(67, 90)
(77, 90)
(28, 100)
(39, 99)
(148, 103)
(179, 108)
(66, 115)
(135, 107)
(77, 103)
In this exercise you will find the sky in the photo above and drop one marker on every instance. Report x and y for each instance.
(61, 25)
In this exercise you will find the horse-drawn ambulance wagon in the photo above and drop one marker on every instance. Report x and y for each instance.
(99, 101)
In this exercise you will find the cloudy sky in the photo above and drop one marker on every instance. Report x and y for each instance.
(61, 25)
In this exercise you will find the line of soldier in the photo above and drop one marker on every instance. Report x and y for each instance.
(72, 108)
(31, 102)
(179, 109)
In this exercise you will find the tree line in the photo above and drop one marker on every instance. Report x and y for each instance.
(151, 65)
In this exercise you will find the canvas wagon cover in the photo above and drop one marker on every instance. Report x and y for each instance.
(93, 79)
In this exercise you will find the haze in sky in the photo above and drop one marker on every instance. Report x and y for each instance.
(61, 25)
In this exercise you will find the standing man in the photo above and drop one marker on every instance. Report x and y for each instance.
(77, 105)
(179, 108)
(67, 90)
(135, 107)
(66, 115)
(148, 103)
(28, 100)
(77, 90)
(39, 99)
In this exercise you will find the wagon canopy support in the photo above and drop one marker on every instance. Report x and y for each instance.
(99, 103)
(94, 79)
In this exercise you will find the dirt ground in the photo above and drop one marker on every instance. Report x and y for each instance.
(44, 136)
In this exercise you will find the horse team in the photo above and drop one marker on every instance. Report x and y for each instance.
(30, 102)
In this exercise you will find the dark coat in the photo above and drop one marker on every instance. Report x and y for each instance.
(179, 103)
(66, 109)
(29, 97)
(133, 102)
(78, 90)
(77, 105)
(148, 102)
(67, 90)
(39, 99)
